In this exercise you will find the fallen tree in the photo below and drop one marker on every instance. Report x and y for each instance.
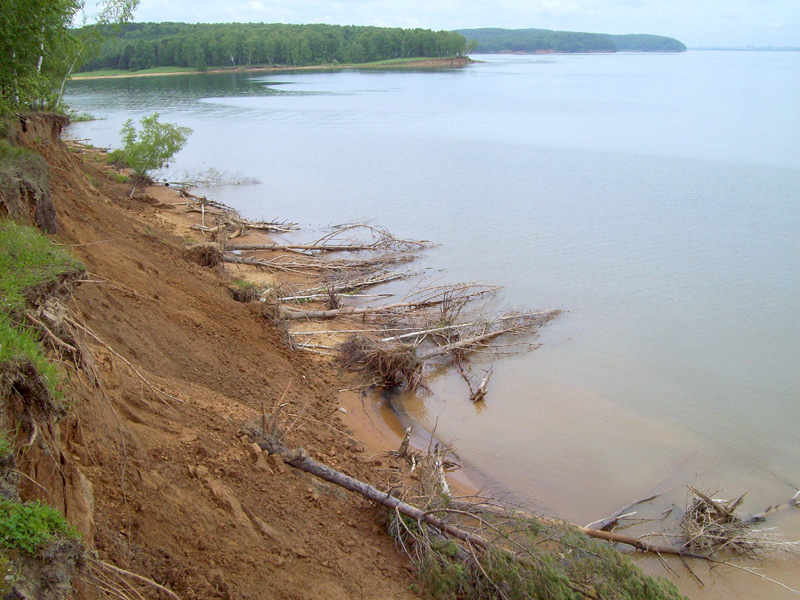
(392, 363)
(460, 551)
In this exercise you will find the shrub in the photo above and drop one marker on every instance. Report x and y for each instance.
(28, 527)
(150, 148)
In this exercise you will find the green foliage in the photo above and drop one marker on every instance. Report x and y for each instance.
(81, 117)
(5, 446)
(30, 526)
(198, 46)
(20, 344)
(39, 47)
(27, 261)
(646, 43)
(492, 40)
(528, 560)
(153, 145)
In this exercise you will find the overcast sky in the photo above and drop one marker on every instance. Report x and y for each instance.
(694, 22)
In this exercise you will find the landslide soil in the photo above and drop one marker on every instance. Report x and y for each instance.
(179, 494)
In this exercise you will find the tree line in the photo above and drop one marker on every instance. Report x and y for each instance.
(494, 40)
(199, 46)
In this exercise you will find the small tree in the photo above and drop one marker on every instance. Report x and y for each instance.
(152, 146)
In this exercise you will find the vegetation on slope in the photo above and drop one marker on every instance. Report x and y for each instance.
(494, 40)
(199, 46)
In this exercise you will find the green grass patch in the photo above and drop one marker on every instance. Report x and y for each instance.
(21, 344)
(396, 61)
(120, 73)
(81, 117)
(5, 446)
(30, 526)
(28, 260)
(9, 153)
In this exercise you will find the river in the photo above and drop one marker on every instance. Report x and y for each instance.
(654, 198)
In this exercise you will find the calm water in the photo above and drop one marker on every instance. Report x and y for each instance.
(655, 198)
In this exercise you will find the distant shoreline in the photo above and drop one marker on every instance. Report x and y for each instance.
(420, 63)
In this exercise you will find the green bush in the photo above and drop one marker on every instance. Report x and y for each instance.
(150, 148)
(28, 527)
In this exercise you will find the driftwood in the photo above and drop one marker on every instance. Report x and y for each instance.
(759, 517)
(480, 393)
(611, 521)
(351, 284)
(300, 459)
(427, 298)
(525, 322)
(317, 247)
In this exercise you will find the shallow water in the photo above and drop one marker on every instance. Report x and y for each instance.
(655, 198)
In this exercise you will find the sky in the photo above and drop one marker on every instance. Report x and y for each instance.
(694, 22)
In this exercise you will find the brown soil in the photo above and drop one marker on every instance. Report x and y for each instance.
(178, 494)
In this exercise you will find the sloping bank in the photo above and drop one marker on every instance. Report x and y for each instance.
(144, 451)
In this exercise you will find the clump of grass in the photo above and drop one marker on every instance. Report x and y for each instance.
(28, 260)
(28, 527)
(81, 117)
(20, 345)
(244, 291)
(5, 446)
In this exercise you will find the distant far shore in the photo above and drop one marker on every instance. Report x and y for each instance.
(403, 63)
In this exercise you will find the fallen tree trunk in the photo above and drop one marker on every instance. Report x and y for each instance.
(535, 319)
(320, 247)
(357, 283)
(299, 459)
(292, 314)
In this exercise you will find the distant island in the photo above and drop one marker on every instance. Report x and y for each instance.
(201, 46)
(541, 41)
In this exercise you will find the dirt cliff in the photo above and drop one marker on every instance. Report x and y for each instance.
(167, 488)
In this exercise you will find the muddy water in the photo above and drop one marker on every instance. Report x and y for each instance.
(656, 199)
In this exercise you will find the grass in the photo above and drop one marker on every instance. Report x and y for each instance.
(399, 61)
(81, 117)
(126, 73)
(27, 261)
(28, 527)
(10, 153)
(18, 344)
(187, 70)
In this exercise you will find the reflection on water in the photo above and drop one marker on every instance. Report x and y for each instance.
(656, 199)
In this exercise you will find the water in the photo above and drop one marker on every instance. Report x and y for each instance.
(655, 198)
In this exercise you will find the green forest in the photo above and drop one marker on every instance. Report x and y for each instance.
(491, 40)
(200, 46)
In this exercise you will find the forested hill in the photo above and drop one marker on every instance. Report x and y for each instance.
(145, 45)
(491, 40)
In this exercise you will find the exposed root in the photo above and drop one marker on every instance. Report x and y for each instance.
(711, 526)
(391, 366)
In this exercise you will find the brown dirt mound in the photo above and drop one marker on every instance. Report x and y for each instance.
(172, 490)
